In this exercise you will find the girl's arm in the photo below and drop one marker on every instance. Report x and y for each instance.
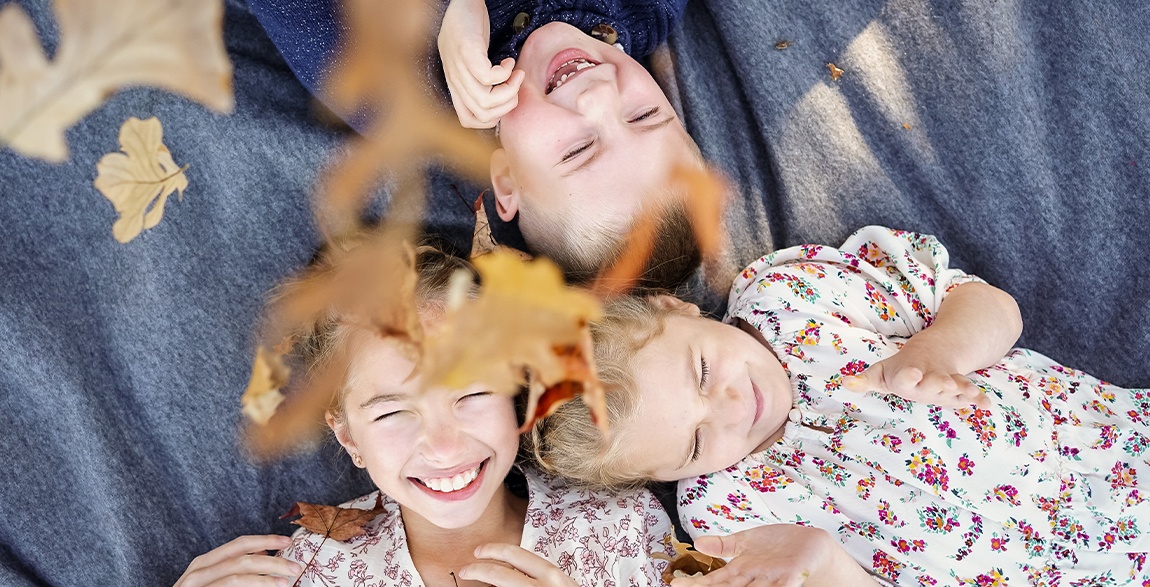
(779, 554)
(974, 327)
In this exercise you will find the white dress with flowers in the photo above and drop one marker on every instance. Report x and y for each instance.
(1043, 488)
(599, 539)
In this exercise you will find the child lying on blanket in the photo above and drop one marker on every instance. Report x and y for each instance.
(588, 139)
(458, 510)
(868, 394)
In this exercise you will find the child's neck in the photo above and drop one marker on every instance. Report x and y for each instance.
(437, 552)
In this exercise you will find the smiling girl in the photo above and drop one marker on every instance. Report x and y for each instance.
(457, 510)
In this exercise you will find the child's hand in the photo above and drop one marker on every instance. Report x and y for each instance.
(481, 93)
(785, 555)
(242, 561)
(512, 566)
(918, 375)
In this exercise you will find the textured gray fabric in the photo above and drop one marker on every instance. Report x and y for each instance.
(121, 366)
(1027, 152)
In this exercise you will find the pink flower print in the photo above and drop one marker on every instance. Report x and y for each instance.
(998, 543)
(980, 423)
(864, 486)
(1134, 498)
(878, 303)
(928, 467)
(700, 524)
(916, 436)
(1107, 541)
(965, 466)
(1122, 475)
(766, 479)
(1070, 452)
(841, 317)
(886, 566)
(938, 519)
(886, 516)
(1107, 437)
(809, 335)
(1004, 494)
(1039, 455)
(906, 546)
(809, 251)
(924, 580)
(567, 562)
(890, 442)
(854, 367)
(1100, 408)
(993, 579)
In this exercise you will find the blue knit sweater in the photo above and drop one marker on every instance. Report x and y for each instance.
(306, 31)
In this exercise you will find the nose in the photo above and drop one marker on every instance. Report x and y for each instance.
(599, 100)
(441, 439)
(726, 406)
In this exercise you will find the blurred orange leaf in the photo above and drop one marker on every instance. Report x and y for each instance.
(176, 45)
(688, 563)
(524, 318)
(263, 395)
(334, 522)
(135, 178)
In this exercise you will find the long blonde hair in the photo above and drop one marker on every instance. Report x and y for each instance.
(567, 442)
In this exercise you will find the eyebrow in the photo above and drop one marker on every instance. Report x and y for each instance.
(594, 156)
(379, 399)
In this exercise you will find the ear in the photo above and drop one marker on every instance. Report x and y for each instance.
(506, 188)
(674, 304)
(342, 433)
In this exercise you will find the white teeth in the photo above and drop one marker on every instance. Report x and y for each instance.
(580, 64)
(584, 65)
(454, 483)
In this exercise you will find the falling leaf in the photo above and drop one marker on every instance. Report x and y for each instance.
(524, 318)
(263, 395)
(334, 522)
(836, 73)
(782, 45)
(688, 563)
(135, 178)
(175, 45)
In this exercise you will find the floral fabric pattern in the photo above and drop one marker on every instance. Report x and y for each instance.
(597, 538)
(1044, 488)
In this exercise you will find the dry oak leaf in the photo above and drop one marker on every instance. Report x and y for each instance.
(482, 241)
(524, 318)
(688, 563)
(263, 395)
(836, 73)
(334, 522)
(134, 179)
(175, 45)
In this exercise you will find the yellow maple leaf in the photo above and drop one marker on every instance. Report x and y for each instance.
(263, 395)
(524, 318)
(134, 179)
(176, 45)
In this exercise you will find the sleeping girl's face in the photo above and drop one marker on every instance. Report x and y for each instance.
(441, 454)
(710, 394)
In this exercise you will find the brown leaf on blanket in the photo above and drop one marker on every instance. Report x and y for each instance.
(836, 73)
(524, 319)
(175, 45)
(139, 180)
(688, 563)
(334, 522)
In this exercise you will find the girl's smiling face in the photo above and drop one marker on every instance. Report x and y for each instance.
(439, 453)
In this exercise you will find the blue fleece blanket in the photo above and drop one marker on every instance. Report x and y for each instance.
(1017, 132)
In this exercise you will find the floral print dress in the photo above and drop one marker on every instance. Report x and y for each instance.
(1043, 488)
(599, 539)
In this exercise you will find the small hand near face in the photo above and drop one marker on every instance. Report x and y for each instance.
(481, 92)
(242, 561)
(917, 374)
(526, 569)
(777, 555)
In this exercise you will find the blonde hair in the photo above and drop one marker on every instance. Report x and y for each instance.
(317, 344)
(567, 442)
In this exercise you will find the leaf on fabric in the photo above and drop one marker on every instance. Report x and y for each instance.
(688, 562)
(524, 319)
(175, 45)
(482, 241)
(263, 395)
(334, 522)
(836, 73)
(139, 179)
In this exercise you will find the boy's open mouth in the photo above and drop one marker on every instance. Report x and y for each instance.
(567, 71)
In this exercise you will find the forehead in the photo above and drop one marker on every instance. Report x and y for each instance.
(379, 365)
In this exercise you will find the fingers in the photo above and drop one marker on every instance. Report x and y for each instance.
(480, 92)
(241, 546)
(718, 546)
(527, 568)
(913, 383)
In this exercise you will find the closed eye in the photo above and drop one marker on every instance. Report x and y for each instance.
(704, 372)
(573, 153)
(384, 416)
(645, 115)
(697, 448)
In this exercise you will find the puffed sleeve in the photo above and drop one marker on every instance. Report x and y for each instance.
(889, 282)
